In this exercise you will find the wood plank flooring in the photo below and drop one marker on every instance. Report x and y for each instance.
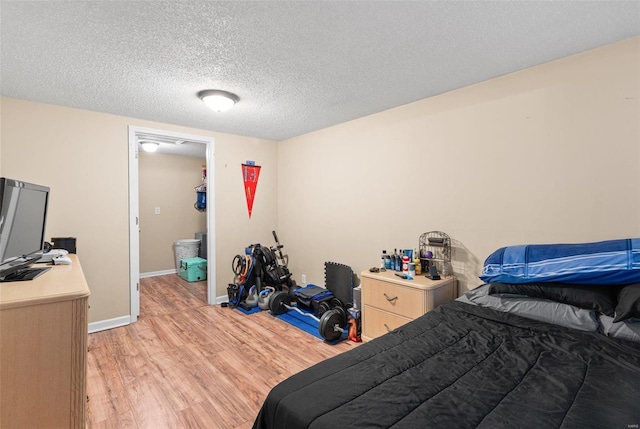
(186, 364)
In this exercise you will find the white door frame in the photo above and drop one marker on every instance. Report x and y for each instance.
(134, 214)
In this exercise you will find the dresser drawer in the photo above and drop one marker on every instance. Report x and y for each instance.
(401, 300)
(376, 322)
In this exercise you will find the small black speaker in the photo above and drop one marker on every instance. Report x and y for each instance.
(66, 243)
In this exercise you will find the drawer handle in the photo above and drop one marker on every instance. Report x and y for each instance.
(390, 299)
(389, 329)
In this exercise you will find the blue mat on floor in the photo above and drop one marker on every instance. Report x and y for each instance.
(307, 324)
(253, 310)
(296, 319)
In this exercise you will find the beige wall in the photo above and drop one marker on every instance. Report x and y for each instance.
(549, 154)
(1, 172)
(83, 157)
(167, 182)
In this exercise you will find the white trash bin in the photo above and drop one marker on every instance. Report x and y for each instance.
(185, 248)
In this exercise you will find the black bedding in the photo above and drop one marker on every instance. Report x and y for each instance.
(465, 366)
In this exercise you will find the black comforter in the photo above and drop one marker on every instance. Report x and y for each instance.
(463, 366)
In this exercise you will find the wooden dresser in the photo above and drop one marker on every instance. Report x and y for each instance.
(389, 301)
(43, 350)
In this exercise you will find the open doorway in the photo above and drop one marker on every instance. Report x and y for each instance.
(171, 143)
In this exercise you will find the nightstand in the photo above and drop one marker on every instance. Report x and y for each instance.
(389, 301)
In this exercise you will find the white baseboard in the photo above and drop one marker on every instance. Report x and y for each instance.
(221, 299)
(103, 325)
(157, 273)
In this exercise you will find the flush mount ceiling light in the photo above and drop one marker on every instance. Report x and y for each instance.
(149, 146)
(217, 100)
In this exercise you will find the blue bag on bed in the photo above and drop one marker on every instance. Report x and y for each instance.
(613, 262)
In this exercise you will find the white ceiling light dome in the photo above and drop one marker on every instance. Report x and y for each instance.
(218, 100)
(149, 146)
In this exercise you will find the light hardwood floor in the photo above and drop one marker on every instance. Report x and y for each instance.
(185, 364)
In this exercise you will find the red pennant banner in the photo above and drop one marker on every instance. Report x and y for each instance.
(250, 174)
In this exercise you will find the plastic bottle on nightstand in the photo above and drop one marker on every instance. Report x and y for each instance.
(416, 260)
(405, 264)
(383, 259)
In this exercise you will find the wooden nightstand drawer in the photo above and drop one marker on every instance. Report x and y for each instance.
(376, 322)
(392, 301)
(397, 299)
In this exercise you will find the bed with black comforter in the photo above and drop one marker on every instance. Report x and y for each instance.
(467, 366)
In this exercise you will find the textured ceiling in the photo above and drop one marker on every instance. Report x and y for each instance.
(296, 66)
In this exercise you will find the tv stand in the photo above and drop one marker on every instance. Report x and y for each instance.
(43, 350)
(25, 274)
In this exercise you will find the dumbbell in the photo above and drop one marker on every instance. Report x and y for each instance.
(330, 324)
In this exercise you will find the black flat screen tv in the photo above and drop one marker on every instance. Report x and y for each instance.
(23, 216)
